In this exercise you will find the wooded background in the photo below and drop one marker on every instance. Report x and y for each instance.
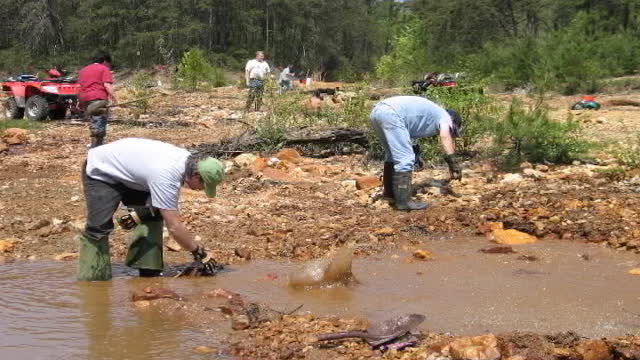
(506, 40)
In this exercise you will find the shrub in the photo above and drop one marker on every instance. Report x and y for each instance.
(629, 155)
(530, 135)
(194, 69)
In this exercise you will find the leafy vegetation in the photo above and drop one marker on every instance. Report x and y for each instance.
(194, 70)
(528, 134)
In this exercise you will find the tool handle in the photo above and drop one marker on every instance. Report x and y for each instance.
(342, 335)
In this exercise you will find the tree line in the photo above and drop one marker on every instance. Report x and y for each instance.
(342, 39)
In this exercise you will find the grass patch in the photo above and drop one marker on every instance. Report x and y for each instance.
(19, 123)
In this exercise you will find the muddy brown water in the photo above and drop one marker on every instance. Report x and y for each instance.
(46, 314)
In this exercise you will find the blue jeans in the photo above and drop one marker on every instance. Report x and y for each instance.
(394, 136)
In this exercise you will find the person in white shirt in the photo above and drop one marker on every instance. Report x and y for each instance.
(146, 176)
(255, 72)
(286, 78)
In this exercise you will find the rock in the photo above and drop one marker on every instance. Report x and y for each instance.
(245, 160)
(39, 225)
(594, 350)
(543, 168)
(483, 347)
(288, 154)
(533, 173)
(66, 256)
(349, 185)
(511, 237)
(601, 120)
(528, 258)
(387, 231)
(526, 165)
(511, 178)
(497, 250)
(204, 350)
(423, 255)
(3, 147)
(367, 182)
(222, 293)
(243, 253)
(172, 245)
(141, 304)
(273, 162)
(15, 136)
(260, 164)
(150, 293)
(635, 271)
(240, 322)
(489, 227)
(7, 246)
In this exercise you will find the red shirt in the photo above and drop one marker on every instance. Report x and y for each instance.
(92, 79)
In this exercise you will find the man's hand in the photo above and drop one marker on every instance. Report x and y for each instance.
(454, 167)
(211, 267)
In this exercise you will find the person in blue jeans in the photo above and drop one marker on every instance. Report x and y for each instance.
(396, 121)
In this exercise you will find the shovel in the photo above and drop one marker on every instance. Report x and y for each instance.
(381, 333)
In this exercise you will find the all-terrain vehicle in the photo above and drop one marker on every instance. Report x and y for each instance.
(40, 98)
(433, 79)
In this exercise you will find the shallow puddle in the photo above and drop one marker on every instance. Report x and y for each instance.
(464, 291)
(47, 314)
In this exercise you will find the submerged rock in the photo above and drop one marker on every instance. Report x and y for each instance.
(335, 268)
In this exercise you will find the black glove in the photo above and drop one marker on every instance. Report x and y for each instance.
(454, 167)
(418, 164)
(209, 265)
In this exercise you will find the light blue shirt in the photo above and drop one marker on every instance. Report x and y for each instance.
(422, 117)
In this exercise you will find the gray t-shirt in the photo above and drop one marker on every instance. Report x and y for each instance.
(141, 164)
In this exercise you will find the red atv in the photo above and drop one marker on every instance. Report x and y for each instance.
(40, 98)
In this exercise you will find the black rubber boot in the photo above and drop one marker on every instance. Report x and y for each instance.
(149, 273)
(97, 141)
(387, 180)
(402, 192)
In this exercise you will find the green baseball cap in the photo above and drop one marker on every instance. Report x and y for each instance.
(212, 172)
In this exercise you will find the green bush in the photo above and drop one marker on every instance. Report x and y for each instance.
(530, 135)
(194, 70)
(629, 155)
(571, 60)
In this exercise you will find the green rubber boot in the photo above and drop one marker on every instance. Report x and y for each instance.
(94, 263)
(145, 248)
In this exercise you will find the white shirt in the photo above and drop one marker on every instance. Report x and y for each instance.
(257, 69)
(285, 75)
(141, 164)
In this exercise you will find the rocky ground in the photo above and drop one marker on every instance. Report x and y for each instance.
(284, 205)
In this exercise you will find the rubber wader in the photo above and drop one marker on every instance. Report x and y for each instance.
(94, 263)
(402, 192)
(145, 247)
(387, 180)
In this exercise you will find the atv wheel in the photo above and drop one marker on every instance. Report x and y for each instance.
(12, 110)
(577, 106)
(58, 113)
(37, 108)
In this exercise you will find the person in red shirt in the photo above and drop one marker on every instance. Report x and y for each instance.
(96, 89)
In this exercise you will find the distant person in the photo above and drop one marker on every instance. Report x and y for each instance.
(286, 78)
(256, 71)
(396, 121)
(96, 89)
(146, 176)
